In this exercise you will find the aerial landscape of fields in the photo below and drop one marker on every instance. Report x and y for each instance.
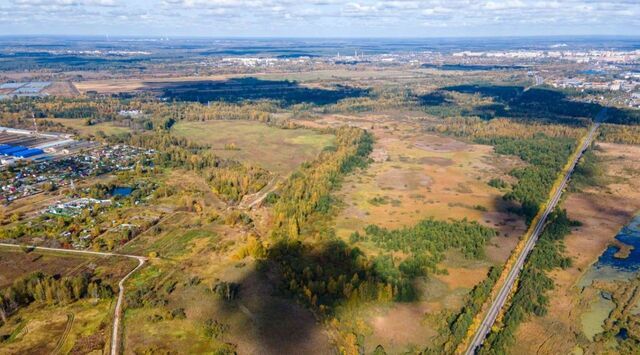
(326, 187)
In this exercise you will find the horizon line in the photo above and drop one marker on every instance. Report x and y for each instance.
(157, 36)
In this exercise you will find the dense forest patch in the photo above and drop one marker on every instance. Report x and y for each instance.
(517, 102)
(242, 89)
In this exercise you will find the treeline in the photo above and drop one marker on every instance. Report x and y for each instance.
(619, 134)
(378, 100)
(426, 242)
(458, 324)
(38, 287)
(502, 127)
(237, 180)
(24, 122)
(307, 191)
(530, 296)
(588, 172)
(153, 112)
(546, 155)
(230, 179)
(171, 151)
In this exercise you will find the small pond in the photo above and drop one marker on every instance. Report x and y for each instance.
(122, 191)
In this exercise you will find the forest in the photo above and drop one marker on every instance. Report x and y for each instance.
(620, 134)
(546, 156)
(426, 242)
(527, 104)
(236, 90)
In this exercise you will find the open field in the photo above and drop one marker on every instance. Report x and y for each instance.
(193, 258)
(134, 84)
(275, 149)
(80, 126)
(417, 175)
(426, 176)
(603, 211)
(15, 263)
(81, 327)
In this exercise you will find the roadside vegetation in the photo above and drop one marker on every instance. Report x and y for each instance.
(530, 297)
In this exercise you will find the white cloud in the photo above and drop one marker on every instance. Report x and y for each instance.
(319, 17)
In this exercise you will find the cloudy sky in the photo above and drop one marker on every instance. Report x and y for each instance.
(321, 18)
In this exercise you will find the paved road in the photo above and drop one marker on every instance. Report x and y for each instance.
(115, 336)
(503, 294)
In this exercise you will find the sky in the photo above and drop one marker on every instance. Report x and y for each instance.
(320, 18)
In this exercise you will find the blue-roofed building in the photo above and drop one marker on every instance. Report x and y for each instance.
(12, 150)
(28, 153)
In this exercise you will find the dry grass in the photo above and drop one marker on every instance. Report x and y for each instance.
(418, 175)
(43, 327)
(429, 176)
(275, 149)
(79, 125)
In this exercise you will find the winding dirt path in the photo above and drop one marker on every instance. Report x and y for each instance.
(115, 335)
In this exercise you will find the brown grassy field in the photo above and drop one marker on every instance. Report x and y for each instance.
(275, 149)
(81, 327)
(603, 211)
(115, 85)
(427, 176)
(417, 175)
(79, 125)
(15, 263)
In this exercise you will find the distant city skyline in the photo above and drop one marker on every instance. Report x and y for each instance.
(320, 18)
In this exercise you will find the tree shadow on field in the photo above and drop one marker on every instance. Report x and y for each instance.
(436, 98)
(297, 285)
(237, 90)
(273, 323)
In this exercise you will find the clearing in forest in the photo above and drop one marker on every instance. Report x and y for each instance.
(275, 149)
